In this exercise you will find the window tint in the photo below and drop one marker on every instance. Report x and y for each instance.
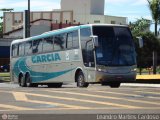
(14, 50)
(122, 32)
(48, 44)
(60, 42)
(28, 48)
(75, 39)
(37, 46)
(21, 49)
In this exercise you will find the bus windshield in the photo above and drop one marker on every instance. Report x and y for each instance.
(116, 46)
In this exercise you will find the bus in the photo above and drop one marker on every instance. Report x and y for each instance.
(85, 54)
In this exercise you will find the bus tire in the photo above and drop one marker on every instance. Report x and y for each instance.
(55, 85)
(81, 80)
(22, 82)
(29, 82)
(105, 84)
(115, 85)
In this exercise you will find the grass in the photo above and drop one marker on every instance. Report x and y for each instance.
(5, 77)
(5, 74)
(144, 70)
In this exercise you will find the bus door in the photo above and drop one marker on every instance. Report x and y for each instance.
(90, 59)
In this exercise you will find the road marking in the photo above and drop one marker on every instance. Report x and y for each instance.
(119, 93)
(21, 96)
(93, 108)
(107, 97)
(127, 94)
(148, 92)
(15, 107)
(84, 100)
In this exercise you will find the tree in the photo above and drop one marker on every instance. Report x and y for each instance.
(6, 9)
(151, 43)
(141, 25)
(154, 6)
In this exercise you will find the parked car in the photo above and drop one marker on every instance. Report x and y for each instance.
(4, 68)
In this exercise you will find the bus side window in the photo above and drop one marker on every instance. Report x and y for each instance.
(60, 41)
(85, 38)
(21, 49)
(37, 46)
(48, 44)
(75, 39)
(72, 40)
(14, 50)
(28, 48)
(69, 40)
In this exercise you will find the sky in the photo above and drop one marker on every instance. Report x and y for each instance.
(133, 9)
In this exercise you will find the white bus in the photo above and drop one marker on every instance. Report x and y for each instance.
(85, 54)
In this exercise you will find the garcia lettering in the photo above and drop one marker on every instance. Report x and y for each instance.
(46, 58)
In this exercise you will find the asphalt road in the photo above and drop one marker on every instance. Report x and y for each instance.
(95, 100)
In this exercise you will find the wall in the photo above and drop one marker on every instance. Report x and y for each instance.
(80, 7)
(103, 19)
(117, 20)
(14, 20)
(37, 28)
(40, 27)
(84, 7)
(8, 22)
(97, 7)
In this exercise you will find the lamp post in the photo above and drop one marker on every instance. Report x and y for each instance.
(28, 25)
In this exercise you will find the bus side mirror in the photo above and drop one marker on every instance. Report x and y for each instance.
(95, 40)
(140, 41)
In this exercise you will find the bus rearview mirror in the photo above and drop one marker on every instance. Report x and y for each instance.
(95, 40)
(140, 41)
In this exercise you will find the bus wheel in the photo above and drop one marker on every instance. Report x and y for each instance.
(81, 80)
(29, 82)
(22, 82)
(115, 85)
(55, 85)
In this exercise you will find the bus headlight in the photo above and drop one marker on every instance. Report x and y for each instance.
(134, 70)
(101, 70)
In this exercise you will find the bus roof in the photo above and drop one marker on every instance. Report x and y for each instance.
(63, 30)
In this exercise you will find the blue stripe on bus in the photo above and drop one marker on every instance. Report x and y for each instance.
(21, 66)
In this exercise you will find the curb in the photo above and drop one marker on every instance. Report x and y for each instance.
(141, 85)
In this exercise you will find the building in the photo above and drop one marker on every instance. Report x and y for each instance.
(40, 22)
(84, 7)
(90, 11)
(71, 13)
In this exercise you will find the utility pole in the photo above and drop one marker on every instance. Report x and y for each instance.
(26, 18)
(28, 26)
(154, 62)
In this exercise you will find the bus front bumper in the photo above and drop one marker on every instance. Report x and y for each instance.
(103, 77)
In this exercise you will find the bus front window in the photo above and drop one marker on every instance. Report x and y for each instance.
(115, 46)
